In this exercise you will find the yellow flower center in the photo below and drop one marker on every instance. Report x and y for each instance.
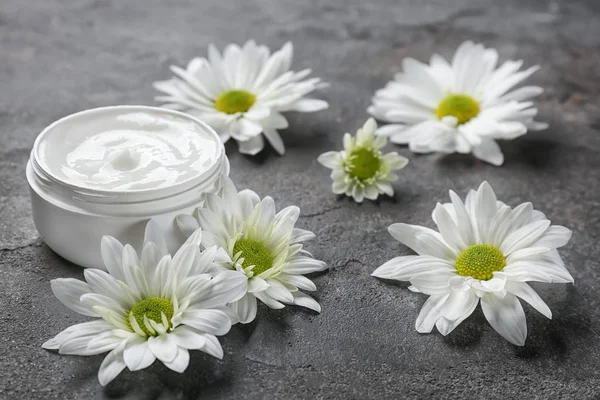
(235, 101)
(461, 106)
(152, 307)
(364, 163)
(254, 253)
(480, 261)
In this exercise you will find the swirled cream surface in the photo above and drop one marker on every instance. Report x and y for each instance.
(122, 150)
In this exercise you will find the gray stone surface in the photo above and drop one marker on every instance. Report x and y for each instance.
(58, 57)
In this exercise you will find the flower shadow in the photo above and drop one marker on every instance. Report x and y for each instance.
(469, 332)
(203, 376)
(538, 153)
(459, 160)
(533, 152)
(570, 323)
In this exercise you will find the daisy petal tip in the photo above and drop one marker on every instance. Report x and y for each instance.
(329, 159)
(370, 125)
(422, 328)
(51, 344)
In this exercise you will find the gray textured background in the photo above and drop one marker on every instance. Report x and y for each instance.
(59, 57)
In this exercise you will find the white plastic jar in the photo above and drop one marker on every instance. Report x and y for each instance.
(107, 171)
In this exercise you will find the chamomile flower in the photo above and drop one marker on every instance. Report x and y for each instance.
(485, 252)
(148, 308)
(262, 246)
(459, 106)
(361, 170)
(242, 93)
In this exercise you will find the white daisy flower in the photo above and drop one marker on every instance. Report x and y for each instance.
(242, 93)
(462, 106)
(361, 170)
(485, 251)
(153, 307)
(262, 246)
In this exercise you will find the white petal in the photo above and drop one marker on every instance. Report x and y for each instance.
(525, 292)
(422, 240)
(278, 292)
(151, 256)
(268, 300)
(245, 308)
(304, 300)
(304, 265)
(195, 238)
(226, 287)
(188, 338)
(446, 326)
(130, 257)
(212, 223)
(406, 267)
(301, 235)
(538, 271)
(483, 210)
(210, 321)
(496, 284)
(528, 253)
(164, 347)
(111, 366)
(137, 355)
(298, 281)
(181, 361)
(429, 313)
(506, 316)
(252, 146)
(186, 224)
(516, 218)
(459, 283)
(463, 221)
(244, 129)
(256, 284)
(489, 151)
(458, 304)
(390, 129)
(212, 346)
(104, 342)
(448, 228)
(103, 283)
(112, 255)
(433, 283)
(153, 234)
(69, 291)
(524, 237)
(555, 236)
(291, 212)
(330, 159)
(184, 260)
(308, 105)
(275, 139)
(86, 330)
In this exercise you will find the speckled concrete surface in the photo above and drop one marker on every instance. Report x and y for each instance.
(58, 57)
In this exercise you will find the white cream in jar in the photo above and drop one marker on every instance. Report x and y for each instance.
(106, 171)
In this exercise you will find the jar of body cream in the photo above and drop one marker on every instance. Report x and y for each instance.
(107, 171)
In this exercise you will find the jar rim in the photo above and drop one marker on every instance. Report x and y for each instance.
(51, 180)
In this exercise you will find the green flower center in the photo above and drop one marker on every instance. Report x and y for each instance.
(364, 163)
(152, 307)
(235, 101)
(480, 261)
(254, 253)
(458, 105)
